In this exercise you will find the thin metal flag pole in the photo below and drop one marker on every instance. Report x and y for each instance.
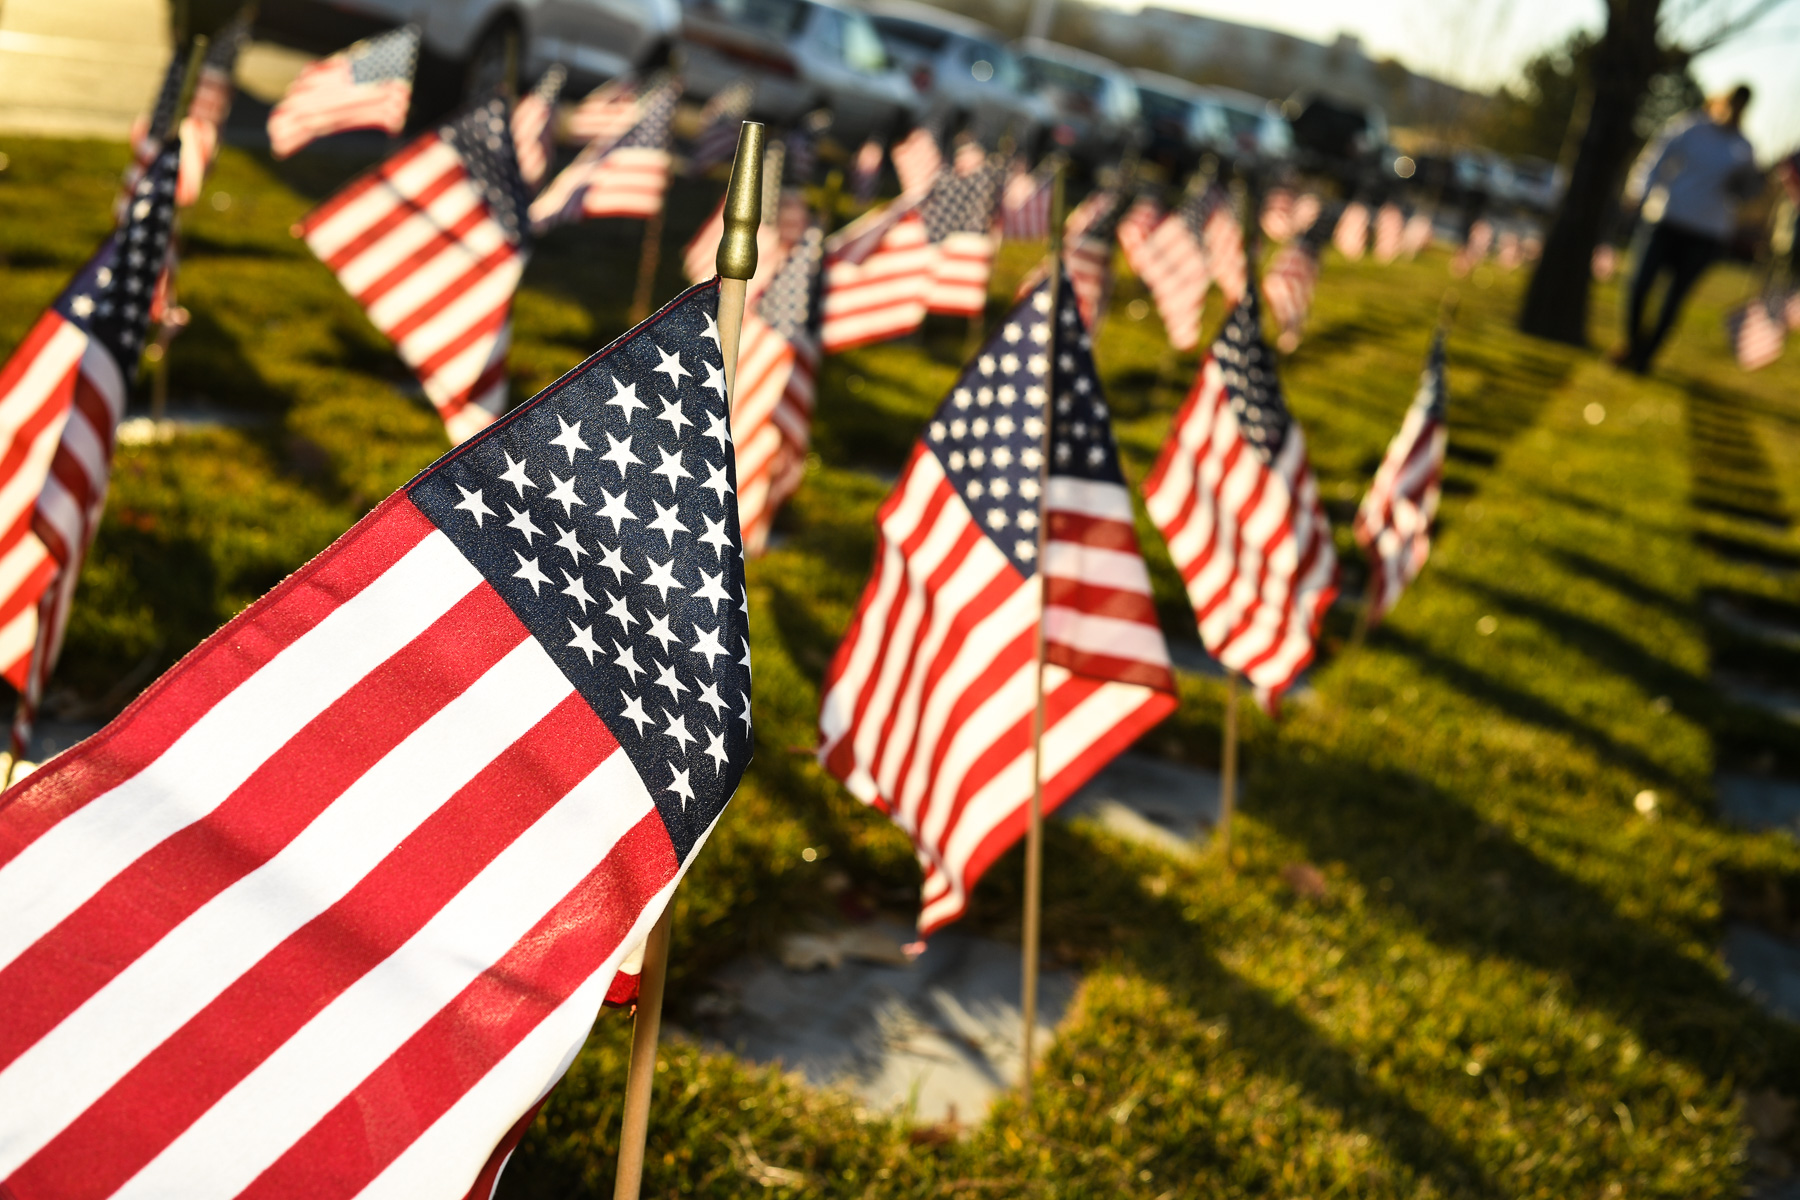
(1034, 831)
(736, 264)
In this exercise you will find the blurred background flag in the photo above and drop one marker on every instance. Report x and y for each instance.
(772, 405)
(432, 244)
(1352, 235)
(865, 172)
(337, 900)
(1390, 232)
(928, 705)
(150, 130)
(1224, 242)
(1417, 235)
(699, 258)
(211, 105)
(1393, 523)
(719, 124)
(366, 86)
(1236, 500)
(533, 121)
(62, 395)
(1758, 333)
(917, 160)
(627, 178)
(1025, 204)
(605, 113)
(1292, 277)
(1088, 237)
(1477, 241)
(1173, 265)
(878, 272)
(959, 219)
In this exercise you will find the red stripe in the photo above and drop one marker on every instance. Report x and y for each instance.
(488, 327)
(1098, 600)
(442, 238)
(1110, 668)
(185, 1076)
(49, 408)
(1102, 533)
(169, 707)
(439, 1064)
(1021, 651)
(142, 903)
(451, 292)
(377, 178)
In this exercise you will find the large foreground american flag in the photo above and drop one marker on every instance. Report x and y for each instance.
(772, 403)
(878, 272)
(626, 178)
(61, 397)
(432, 244)
(1393, 523)
(1238, 504)
(928, 706)
(365, 86)
(335, 902)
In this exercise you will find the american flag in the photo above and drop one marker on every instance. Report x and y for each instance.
(1417, 235)
(336, 901)
(365, 86)
(1135, 228)
(720, 122)
(1173, 264)
(1390, 233)
(1286, 216)
(1225, 257)
(1088, 237)
(865, 172)
(1758, 333)
(150, 130)
(1393, 523)
(1509, 250)
(432, 244)
(1605, 261)
(802, 159)
(624, 179)
(917, 160)
(772, 404)
(1239, 507)
(1791, 310)
(928, 706)
(1352, 234)
(605, 113)
(210, 107)
(959, 220)
(1475, 247)
(61, 397)
(533, 125)
(1025, 204)
(1292, 277)
(878, 272)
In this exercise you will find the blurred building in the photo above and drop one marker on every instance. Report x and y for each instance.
(80, 68)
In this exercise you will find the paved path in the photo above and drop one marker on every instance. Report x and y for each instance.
(80, 68)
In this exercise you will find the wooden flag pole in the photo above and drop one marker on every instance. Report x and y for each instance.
(1034, 831)
(1228, 767)
(737, 263)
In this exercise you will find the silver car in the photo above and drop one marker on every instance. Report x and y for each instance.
(966, 76)
(800, 55)
(1095, 102)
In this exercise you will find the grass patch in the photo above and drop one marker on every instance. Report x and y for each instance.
(1510, 985)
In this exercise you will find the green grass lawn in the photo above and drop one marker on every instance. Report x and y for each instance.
(1510, 986)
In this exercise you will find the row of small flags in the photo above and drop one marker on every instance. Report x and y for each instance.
(427, 797)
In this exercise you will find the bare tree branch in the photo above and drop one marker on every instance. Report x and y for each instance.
(1733, 27)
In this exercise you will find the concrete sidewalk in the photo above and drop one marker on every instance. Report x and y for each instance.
(80, 68)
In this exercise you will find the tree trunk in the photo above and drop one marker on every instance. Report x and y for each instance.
(1624, 62)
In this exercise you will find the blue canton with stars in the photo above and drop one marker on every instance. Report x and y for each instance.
(385, 56)
(988, 434)
(604, 511)
(1247, 369)
(111, 297)
(482, 137)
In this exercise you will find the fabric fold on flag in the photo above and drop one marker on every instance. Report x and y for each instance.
(1393, 522)
(432, 244)
(367, 85)
(1236, 500)
(624, 178)
(928, 705)
(421, 801)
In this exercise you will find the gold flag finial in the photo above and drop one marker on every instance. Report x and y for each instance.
(743, 206)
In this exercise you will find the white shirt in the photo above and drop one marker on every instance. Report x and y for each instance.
(1694, 175)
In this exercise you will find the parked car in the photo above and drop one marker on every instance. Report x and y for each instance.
(1181, 122)
(1094, 100)
(801, 55)
(465, 44)
(1336, 137)
(1539, 183)
(966, 77)
(1255, 132)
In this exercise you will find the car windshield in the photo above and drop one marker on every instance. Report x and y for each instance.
(988, 61)
(863, 48)
(912, 35)
(1242, 124)
(1160, 106)
(778, 17)
(1047, 72)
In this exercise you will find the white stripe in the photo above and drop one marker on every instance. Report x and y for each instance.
(50, 368)
(354, 219)
(1005, 703)
(430, 280)
(16, 566)
(70, 862)
(49, 1085)
(1089, 497)
(374, 261)
(1110, 636)
(1121, 569)
(296, 1086)
(20, 633)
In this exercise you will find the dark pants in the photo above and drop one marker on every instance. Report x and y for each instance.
(1684, 257)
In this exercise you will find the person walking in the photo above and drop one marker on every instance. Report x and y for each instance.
(1686, 187)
